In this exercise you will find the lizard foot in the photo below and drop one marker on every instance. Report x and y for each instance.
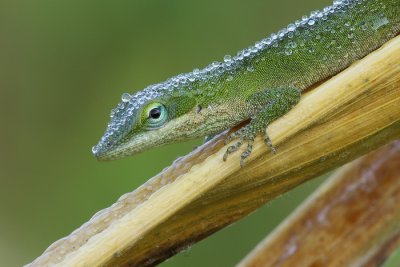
(276, 102)
(245, 134)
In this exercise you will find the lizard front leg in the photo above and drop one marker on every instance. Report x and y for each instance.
(268, 106)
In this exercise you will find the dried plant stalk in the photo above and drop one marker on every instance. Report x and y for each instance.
(345, 117)
(351, 220)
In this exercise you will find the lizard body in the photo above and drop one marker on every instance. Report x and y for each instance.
(260, 83)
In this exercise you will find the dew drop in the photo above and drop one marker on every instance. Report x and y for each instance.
(291, 27)
(125, 97)
(337, 2)
(250, 68)
(382, 21)
(227, 58)
(364, 26)
(293, 44)
(259, 45)
(267, 41)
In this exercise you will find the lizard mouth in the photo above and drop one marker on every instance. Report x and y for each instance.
(110, 153)
(107, 150)
(113, 147)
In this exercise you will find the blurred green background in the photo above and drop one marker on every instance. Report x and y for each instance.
(64, 66)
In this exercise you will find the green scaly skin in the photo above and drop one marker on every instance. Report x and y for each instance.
(260, 83)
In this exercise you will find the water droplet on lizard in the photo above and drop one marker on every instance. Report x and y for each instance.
(125, 97)
(291, 27)
(380, 22)
(227, 58)
(288, 52)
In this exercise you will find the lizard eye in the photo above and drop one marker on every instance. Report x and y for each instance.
(156, 115)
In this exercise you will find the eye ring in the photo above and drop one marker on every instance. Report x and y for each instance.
(156, 116)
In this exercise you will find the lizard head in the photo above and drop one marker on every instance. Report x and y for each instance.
(167, 112)
(149, 118)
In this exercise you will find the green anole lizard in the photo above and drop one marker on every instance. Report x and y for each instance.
(260, 83)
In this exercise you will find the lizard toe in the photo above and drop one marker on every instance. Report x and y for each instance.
(233, 135)
(232, 149)
(247, 152)
(268, 141)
